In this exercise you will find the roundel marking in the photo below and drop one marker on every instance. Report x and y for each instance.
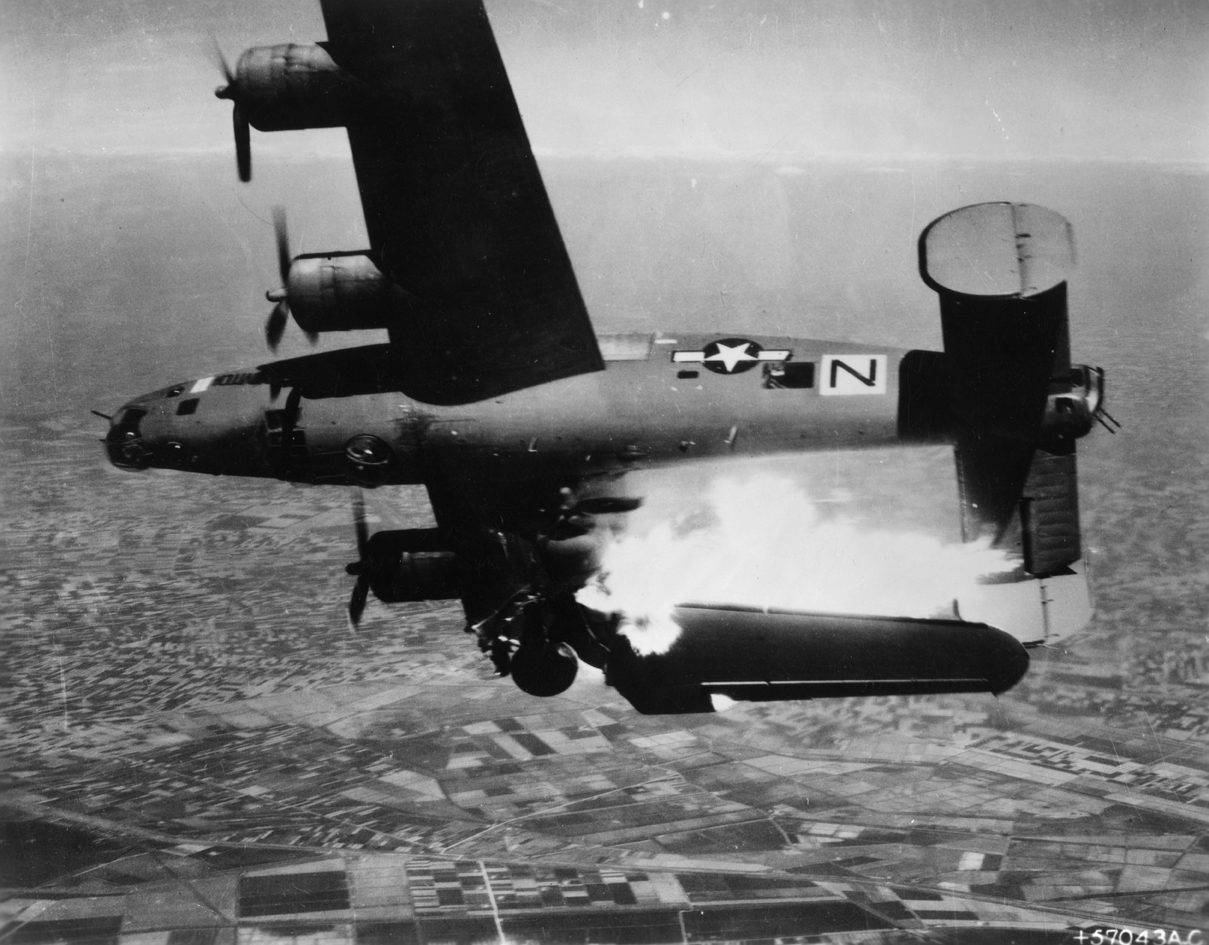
(731, 355)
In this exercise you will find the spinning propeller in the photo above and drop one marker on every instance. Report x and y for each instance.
(239, 121)
(362, 567)
(280, 316)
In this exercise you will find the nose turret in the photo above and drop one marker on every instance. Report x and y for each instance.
(124, 441)
(142, 434)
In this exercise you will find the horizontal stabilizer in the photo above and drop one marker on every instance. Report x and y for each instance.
(1015, 403)
(1034, 610)
(746, 653)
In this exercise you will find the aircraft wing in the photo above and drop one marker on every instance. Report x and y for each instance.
(454, 203)
(755, 654)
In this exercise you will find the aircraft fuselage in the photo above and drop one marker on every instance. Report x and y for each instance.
(660, 400)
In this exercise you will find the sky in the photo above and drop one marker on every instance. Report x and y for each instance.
(1085, 79)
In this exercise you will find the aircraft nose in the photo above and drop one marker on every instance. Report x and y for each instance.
(124, 441)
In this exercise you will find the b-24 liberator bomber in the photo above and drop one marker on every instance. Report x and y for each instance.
(497, 395)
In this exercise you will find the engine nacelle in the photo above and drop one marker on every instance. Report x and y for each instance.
(411, 565)
(417, 576)
(341, 292)
(293, 86)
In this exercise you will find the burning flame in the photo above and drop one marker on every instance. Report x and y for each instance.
(764, 543)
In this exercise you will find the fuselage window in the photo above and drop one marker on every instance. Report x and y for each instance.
(175, 391)
(186, 407)
(790, 375)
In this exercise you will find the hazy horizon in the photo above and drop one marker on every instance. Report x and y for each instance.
(1030, 79)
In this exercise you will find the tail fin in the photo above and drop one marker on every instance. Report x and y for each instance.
(1016, 404)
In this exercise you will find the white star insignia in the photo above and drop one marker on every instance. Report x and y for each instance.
(731, 355)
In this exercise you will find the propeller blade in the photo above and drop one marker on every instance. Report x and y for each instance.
(274, 328)
(243, 143)
(359, 525)
(282, 235)
(221, 61)
(280, 316)
(361, 568)
(356, 603)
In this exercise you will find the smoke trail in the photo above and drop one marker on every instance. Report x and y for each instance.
(763, 543)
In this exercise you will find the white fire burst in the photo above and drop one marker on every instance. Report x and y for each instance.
(765, 544)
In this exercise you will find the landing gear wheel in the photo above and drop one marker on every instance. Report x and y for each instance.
(544, 669)
(501, 655)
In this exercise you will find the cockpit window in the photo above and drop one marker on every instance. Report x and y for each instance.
(174, 391)
(128, 420)
(186, 407)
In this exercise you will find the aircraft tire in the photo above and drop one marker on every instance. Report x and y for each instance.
(544, 669)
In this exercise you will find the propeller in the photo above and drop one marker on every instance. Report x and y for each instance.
(280, 316)
(243, 143)
(239, 121)
(362, 567)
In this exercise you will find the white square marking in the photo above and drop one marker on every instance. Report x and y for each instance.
(850, 374)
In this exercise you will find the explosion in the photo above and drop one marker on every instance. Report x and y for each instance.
(762, 542)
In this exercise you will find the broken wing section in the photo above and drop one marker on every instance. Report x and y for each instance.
(751, 654)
